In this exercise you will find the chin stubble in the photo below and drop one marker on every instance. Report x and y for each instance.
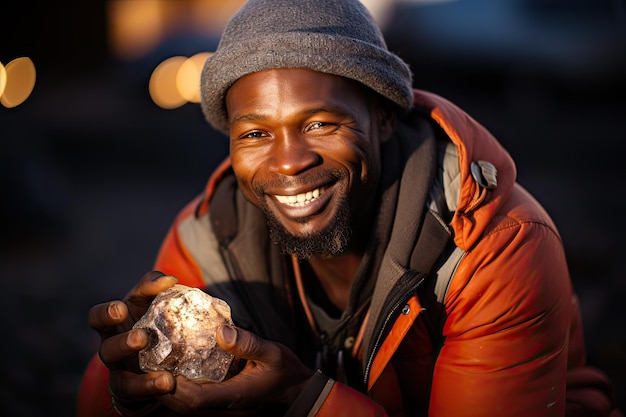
(332, 240)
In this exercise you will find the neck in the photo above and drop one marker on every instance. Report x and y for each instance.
(335, 274)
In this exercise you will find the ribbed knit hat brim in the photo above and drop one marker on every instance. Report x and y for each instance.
(331, 36)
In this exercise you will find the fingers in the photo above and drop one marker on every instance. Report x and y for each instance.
(191, 397)
(119, 347)
(139, 298)
(149, 286)
(106, 315)
(130, 386)
(113, 313)
(272, 375)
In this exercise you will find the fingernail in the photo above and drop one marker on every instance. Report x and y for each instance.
(114, 311)
(162, 382)
(136, 339)
(229, 335)
(168, 277)
(157, 275)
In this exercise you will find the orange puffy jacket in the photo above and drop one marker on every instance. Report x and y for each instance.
(513, 342)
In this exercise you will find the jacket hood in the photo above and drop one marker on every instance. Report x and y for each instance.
(476, 204)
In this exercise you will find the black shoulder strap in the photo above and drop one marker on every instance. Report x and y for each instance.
(434, 294)
(431, 252)
(436, 246)
(430, 245)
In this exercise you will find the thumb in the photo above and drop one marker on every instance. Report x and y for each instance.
(246, 345)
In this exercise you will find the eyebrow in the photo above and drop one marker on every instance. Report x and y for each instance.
(247, 118)
(327, 109)
(309, 112)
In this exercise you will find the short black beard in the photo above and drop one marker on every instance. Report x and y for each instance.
(332, 240)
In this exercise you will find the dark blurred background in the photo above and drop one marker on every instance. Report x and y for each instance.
(93, 172)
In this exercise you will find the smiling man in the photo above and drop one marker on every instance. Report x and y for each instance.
(373, 244)
(309, 157)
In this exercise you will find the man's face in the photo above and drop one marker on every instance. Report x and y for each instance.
(305, 147)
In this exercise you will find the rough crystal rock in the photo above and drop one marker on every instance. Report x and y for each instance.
(181, 323)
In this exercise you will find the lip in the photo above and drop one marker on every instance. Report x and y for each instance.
(302, 204)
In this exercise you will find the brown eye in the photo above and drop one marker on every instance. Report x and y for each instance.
(253, 135)
(316, 125)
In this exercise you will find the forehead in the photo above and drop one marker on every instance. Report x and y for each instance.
(292, 85)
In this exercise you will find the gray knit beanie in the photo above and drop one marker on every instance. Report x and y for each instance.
(337, 37)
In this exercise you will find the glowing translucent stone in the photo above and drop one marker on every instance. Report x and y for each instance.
(181, 323)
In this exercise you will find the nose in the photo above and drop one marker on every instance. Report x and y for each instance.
(291, 154)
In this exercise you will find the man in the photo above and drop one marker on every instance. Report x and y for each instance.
(376, 251)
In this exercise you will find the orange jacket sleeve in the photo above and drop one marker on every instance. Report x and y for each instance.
(94, 399)
(507, 332)
(173, 257)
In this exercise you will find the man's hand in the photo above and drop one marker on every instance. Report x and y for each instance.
(119, 343)
(273, 375)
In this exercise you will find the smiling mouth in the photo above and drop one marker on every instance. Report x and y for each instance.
(301, 199)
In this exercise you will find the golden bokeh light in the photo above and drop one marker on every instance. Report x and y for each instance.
(135, 26)
(3, 78)
(19, 81)
(188, 77)
(162, 86)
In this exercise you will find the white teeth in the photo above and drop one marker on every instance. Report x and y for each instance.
(300, 200)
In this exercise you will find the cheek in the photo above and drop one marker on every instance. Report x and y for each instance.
(358, 159)
(245, 160)
(239, 165)
(245, 170)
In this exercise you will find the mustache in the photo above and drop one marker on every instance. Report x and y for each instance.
(324, 176)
